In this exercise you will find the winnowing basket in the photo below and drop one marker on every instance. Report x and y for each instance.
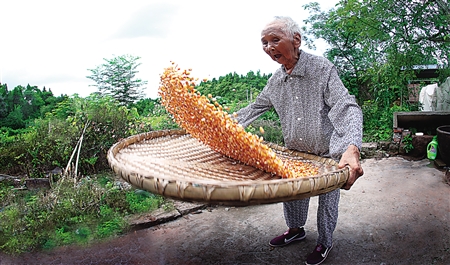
(173, 164)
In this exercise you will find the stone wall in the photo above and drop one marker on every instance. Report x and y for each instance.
(397, 146)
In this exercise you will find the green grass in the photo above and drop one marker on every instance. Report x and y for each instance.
(71, 212)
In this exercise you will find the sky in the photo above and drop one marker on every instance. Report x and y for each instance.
(52, 44)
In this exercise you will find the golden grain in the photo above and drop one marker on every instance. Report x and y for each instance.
(216, 128)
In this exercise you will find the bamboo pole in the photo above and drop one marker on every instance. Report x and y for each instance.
(77, 148)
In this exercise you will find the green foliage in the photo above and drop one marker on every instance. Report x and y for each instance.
(407, 143)
(117, 78)
(272, 130)
(378, 121)
(375, 44)
(14, 119)
(4, 192)
(163, 122)
(72, 212)
(146, 106)
(233, 88)
(13, 150)
(22, 105)
(3, 102)
(49, 142)
(142, 201)
(111, 222)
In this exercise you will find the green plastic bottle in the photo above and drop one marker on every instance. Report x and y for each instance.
(432, 148)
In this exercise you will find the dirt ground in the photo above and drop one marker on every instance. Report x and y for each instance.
(397, 213)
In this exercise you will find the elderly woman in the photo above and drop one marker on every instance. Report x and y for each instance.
(317, 115)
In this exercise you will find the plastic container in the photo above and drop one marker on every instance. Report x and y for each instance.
(443, 137)
(432, 148)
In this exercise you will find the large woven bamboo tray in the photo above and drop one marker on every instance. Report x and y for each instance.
(175, 165)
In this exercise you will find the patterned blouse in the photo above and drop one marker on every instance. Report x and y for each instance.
(317, 113)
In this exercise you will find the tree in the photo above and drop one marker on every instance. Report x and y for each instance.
(117, 78)
(34, 102)
(20, 106)
(14, 119)
(3, 105)
(146, 106)
(235, 88)
(376, 43)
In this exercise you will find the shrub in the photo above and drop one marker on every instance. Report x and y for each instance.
(72, 212)
(378, 121)
(95, 122)
(142, 201)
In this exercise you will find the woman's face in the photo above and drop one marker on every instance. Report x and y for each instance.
(279, 46)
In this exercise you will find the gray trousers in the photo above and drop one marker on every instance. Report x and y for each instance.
(296, 213)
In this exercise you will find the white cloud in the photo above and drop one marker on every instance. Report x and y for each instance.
(152, 20)
(54, 43)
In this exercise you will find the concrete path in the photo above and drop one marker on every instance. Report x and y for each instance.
(398, 213)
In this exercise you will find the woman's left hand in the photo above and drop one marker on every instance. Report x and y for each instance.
(351, 158)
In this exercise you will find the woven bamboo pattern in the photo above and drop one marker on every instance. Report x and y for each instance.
(174, 164)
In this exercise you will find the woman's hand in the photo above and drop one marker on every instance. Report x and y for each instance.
(351, 158)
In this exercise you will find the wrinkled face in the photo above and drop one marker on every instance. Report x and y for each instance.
(279, 46)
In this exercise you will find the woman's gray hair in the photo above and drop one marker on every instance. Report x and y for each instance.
(290, 26)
